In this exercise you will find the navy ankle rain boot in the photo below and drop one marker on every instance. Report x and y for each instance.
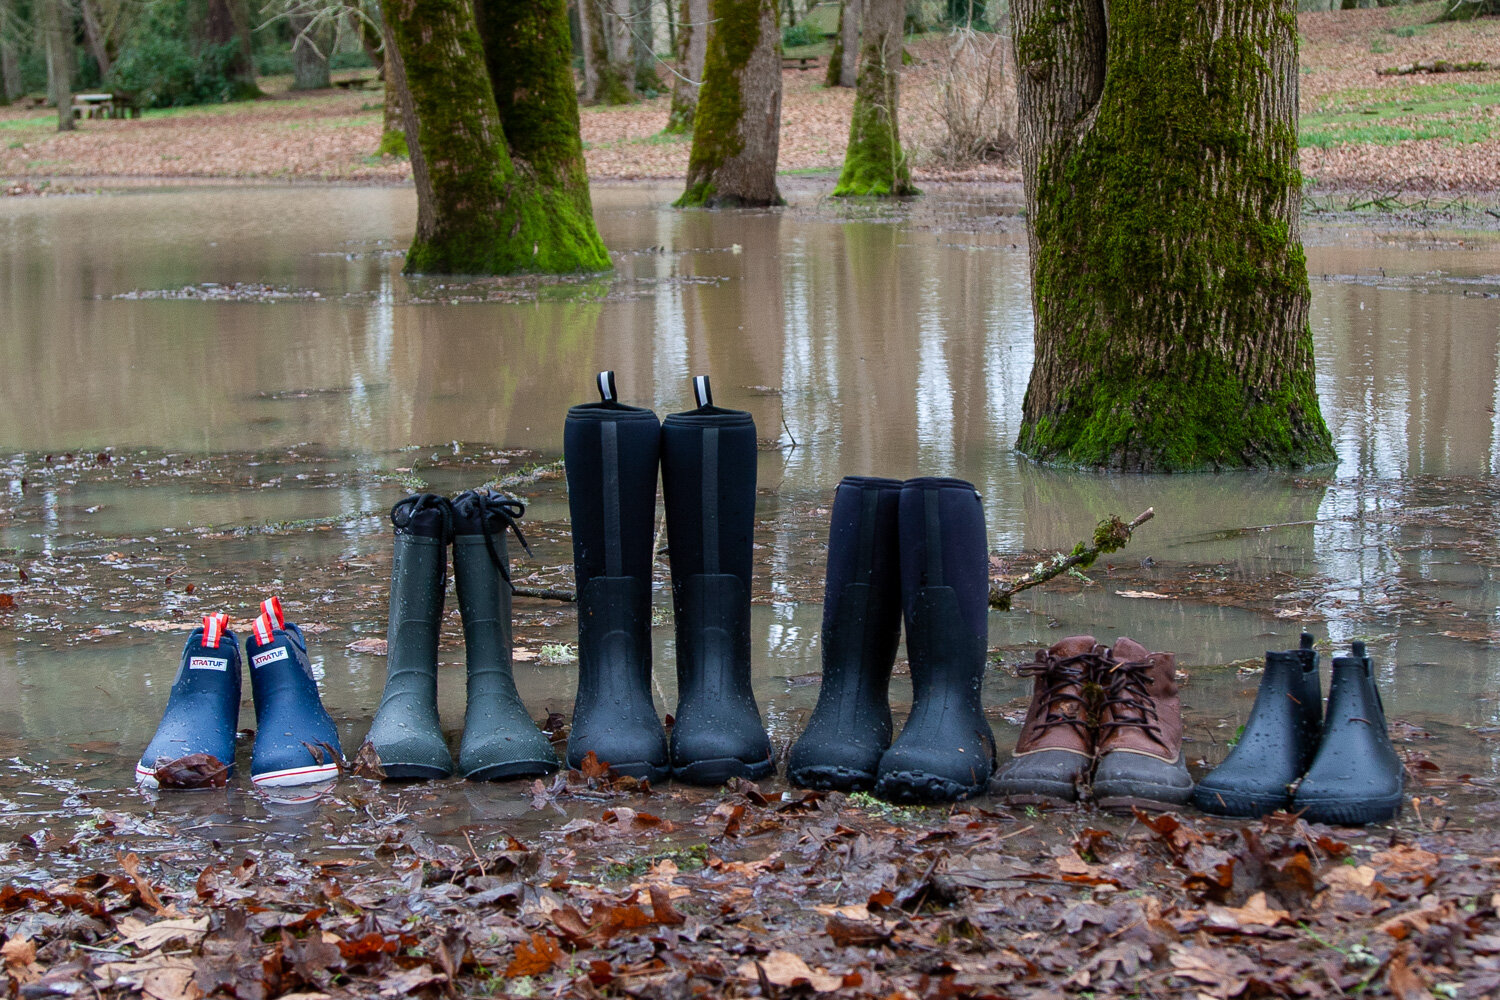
(203, 709)
(295, 740)
(946, 750)
(610, 451)
(851, 726)
(1278, 742)
(1355, 777)
(406, 733)
(500, 741)
(708, 460)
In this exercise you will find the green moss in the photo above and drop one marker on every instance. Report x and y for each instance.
(716, 125)
(393, 143)
(1170, 215)
(874, 163)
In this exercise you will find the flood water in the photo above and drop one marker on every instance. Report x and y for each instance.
(249, 358)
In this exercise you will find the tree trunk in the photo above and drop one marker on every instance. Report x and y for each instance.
(692, 46)
(874, 163)
(737, 128)
(10, 57)
(486, 213)
(850, 23)
(57, 24)
(399, 119)
(94, 35)
(604, 76)
(228, 22)
(1159, 152)
(312, 43)
(643, 48)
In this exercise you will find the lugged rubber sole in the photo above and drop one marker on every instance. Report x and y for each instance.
(1344, 813)
(719, 770)
(1031, 792)
(291, 776)
(920, 787)
(508, 770)
(1237, 805)
(832, 778)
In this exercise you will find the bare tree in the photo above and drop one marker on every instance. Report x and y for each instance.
(692, 47)
(57, 21)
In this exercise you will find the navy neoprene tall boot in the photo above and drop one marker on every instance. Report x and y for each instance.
(708, 481)
(406, 733)
(203, 710)
(500, 740)
(295, 740)
(851, 726)
(1355, 777)
(610, 451)
(946, 750)
(1278, 742)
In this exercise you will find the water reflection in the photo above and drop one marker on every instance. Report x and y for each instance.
(874, 340)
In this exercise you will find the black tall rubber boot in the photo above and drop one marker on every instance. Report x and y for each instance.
(851, 727)
(946, 751)
(500, 741)
(406, 732)
(1278, 742)
(708, 480)
(1355, 777)
(610, 451)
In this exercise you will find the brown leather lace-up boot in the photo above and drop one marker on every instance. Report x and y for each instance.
(1140, 759)
(1053, 755)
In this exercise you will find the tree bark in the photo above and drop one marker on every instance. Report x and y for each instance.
(850, 23)
(58, 21)
(874, 163)
(94, 35)
(692, 47)
(228, 22)
(642, 47)
(737, 129)
(312, 42)
(10, 56)
(1159, 153)
(486, 212)
(605, 77)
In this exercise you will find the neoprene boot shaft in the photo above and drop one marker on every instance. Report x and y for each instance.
(946, 750)
(851, 725)
(406, 732)
(708, 482)
(1355, 776)
(610, 452)
(500, 739)
(1278, 741)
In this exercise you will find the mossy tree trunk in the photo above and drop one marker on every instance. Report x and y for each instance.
(843, 61)
(642, 27)
(692, 47)
(606, 74)
(228, 25)
(500, 183)
(312, 43)
(874, 163)
(737, 129)
(1159, 152)
(400, 118)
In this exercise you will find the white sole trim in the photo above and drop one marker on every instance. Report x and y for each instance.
(296, 775)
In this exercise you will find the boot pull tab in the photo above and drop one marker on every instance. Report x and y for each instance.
(1307, 640)
(264, 629)
(701, 391)
(1357, 650)
(213, 629)
(607, 391)
(271, 607)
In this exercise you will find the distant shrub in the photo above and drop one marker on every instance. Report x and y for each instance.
(164, 65)
(795, 36)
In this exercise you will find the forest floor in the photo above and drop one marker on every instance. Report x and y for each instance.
(1364, 136)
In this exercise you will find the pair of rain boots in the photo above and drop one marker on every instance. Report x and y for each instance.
(707, 458)
(1350, 774)
(295, 740)
(1102, 718)
(500, 740)
(910, 552)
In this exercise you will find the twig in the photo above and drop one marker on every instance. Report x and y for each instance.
(478, 860)
(788, 430)
(1111, 535)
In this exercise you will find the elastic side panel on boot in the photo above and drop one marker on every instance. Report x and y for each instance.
(203, 708)
(718, 734)
(613, 715)
(406, 733)
(500, 739)
(296, 742)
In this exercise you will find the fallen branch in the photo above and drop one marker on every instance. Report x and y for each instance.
(1436, 66)
(546, 594)
(1111, 535)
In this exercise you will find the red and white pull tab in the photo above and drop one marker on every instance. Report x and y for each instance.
(213, 629)
(272, 606)
(264, 628)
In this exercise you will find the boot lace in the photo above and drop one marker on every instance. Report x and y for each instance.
(1128, 699)
(409, 507)
(1063, 680)
(492, 508)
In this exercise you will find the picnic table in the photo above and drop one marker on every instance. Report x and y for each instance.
(104, 105)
